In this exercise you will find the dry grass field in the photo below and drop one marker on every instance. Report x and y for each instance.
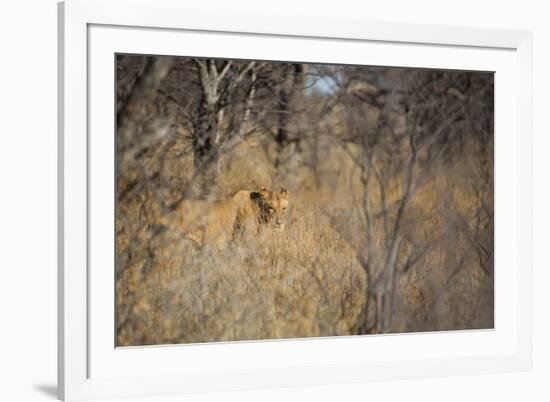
(389, 222)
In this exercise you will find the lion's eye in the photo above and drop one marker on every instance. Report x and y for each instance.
(271, 209)
(284, 209)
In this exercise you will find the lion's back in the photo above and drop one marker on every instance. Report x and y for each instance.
(212, 222)
(247, 219)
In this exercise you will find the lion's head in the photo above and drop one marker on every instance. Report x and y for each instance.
(272, 205)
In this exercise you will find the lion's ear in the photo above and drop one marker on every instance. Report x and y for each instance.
(258, 195)
(284, 192)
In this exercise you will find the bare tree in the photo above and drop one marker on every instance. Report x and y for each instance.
(133, 133)
(390, 171)
(422, 128)
(222, 85)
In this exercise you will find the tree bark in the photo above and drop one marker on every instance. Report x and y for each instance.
(132, 112)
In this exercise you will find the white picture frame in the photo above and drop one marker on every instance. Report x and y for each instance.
(90, 367)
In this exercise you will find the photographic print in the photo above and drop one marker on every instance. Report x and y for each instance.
(261, 200)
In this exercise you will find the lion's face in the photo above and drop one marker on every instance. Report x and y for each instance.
(273, 207)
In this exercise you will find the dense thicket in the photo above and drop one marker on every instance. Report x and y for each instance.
(390, 174)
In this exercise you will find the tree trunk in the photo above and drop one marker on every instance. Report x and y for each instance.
(132, 111)
(288, 89)
(389, 289)
(205, 148)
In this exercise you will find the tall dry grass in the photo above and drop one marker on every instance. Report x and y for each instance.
(311, 279)
(307, 280)
(302, 282)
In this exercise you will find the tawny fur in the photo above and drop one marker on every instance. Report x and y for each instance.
(241, 215)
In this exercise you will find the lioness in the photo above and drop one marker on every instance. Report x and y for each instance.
(267, 208)
(241, 215)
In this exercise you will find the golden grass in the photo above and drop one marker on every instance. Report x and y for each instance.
(305, 281)
(302, 282)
